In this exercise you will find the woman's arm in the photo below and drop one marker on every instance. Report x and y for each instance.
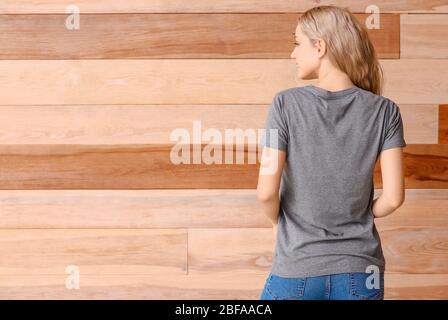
(271, 167)
(393, 195)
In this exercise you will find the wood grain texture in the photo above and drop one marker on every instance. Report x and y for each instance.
(443, 123)
(210, 251)
(85, 123)
(131, 209)
(153, 124)
(416, 287)
(238, 208)
(136, 124)
(206, 6)
(231, 285)
(193, 81)
(422, 208)
(177, 36)
(98, 251)
(415, 250)
(150, 166)
(416, 81)
(406, 250)
(118, 167)
(420, 123)
(424, 36)
(425, 166)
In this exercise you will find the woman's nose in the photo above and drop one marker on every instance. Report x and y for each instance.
(293, 53)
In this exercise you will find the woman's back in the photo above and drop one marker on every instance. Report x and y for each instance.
(332, 140)
(318, 190)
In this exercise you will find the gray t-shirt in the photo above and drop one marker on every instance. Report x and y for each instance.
(332, 140)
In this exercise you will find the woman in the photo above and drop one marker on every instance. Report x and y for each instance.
(319, 153)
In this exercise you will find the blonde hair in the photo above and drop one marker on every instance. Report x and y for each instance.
(348, 44)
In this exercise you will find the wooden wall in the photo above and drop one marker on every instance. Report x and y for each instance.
(85, 121)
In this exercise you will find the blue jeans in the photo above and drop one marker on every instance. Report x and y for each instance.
(341, 286)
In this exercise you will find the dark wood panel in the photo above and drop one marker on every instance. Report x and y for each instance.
(149, 166)
(425, 166)
(211, 35)
(115, 167)
(443, 123)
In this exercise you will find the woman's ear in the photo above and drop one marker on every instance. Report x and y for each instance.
(321, 47)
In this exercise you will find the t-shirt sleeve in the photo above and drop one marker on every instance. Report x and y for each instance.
(276, 130)
(394, 136)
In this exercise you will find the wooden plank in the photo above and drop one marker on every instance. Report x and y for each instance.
(99, 251)
(207, 6)
(415, 250)
(416, 286)
(175, 81)
(406, 250)
(180, 209)
(151, 166)
(420, 123)
(153, 124)
(422, 208)
(443, 123)
(424, 36)
(118, 167)
(130, 209)
(426, 80)
(136, 124)
(425, 166)
(230, 285)
(178, 36)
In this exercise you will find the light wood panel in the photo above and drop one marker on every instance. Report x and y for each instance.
(180, 208)
(422, 208)
(235, 252)
(416, 81)
(191, 81)
(150, 166)
(420, 123)
(48, 209)
(206, 6)
(415, 250)
(132, 124)
(406, 249)
(98, 251)
(416, 287)
(211, 35)
(232, 285)
(94, 124)
(424, 36)
(153, 124)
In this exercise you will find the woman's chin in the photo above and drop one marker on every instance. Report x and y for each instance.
(304, 76)
(300, 75)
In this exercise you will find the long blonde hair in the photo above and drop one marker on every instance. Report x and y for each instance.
(348, 44)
